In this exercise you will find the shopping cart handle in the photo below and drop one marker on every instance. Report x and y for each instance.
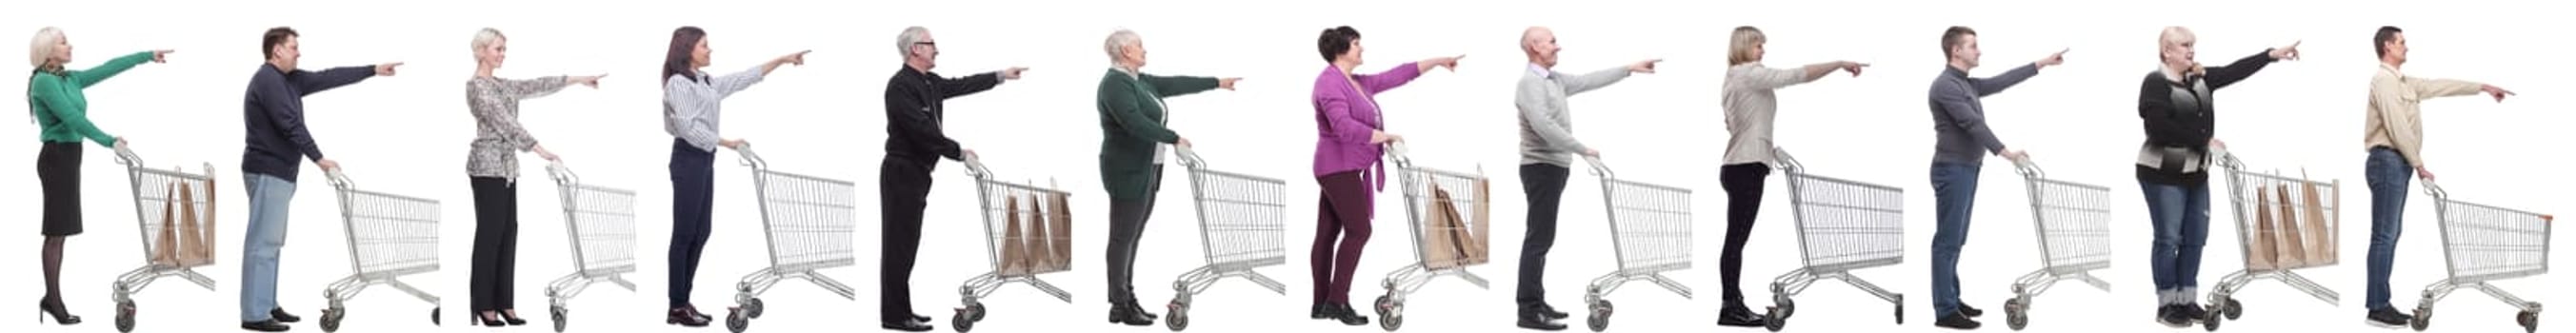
(1599, 169)
(750, 159)
(2435, 190)
(1396, 151)
(2029, 169)
(126, 157)
(1189, 157)
(975, 167)
(340, 179)
(563, 175)
(1787, 163)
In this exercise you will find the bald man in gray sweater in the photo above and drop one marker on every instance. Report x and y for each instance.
(1547, 146)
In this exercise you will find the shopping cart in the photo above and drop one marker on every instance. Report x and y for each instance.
(1240, 229)
(2482, 243)
(2074, 224)
(997, 197)
(600, 221)
(809, 222)
(390, 236)
(1420, 186)
(152, 194)
(1650, 233)
(1843, 225)
(2245, 190)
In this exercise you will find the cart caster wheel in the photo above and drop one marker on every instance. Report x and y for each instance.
(2234, 309)
(2016, 314)
(1787, 308)
(1391, 322)
(975, 312)
(736, 320)
(557, 314)
(331, 318)
(125, 316)
(2530, 321)
(1180, 318)
(1774, 319)
(2423, 318)
(961, 324)
(1383, 303)
(1600, 318)
(753, 308)
(433, 317)
(2210, 320)
(1900, 314)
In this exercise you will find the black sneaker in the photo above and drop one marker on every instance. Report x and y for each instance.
(281, 316)
(2175, 316)
(1739, 316)
(2195, 311)
(1957, 321)
(1972, 312)
(270, 325)
(2388, 318)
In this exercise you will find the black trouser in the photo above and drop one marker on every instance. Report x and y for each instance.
(903, 190)
(693, 203)
(1743, 185)
(496, 243)
(1127, 219)
(1543, 184)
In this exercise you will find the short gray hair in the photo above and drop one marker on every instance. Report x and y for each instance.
(40, 51)
(485, 38)
(1117, 43)
(911, 35)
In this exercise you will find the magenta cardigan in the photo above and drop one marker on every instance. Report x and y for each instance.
(1344, 117)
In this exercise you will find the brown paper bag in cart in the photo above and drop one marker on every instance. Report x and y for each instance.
(2293, 250)
(1060, 229)
(2259, 254)
(1034, 239)
(196, 236)
(1447, 234)
(1480, 247)
(2321, 231)
(166, 244)
(1014, 252)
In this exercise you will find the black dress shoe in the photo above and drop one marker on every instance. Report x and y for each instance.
(1344, 313)
(270, 325)
(2388, 318)
(280, 315)
(906, 326)
(2173, 316)
(1320, 312)
(920, 318)
(1127, 315)
(1551, 312)
(1972, 312)
(1537, 321)
(1739, 316)
(1957, 320)
(686, 317)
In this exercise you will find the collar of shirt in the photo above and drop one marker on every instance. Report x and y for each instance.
(2392, 70)
(1131, 73)
(1953, 71)
(1542, 72)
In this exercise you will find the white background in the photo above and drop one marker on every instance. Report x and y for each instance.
(407, 134)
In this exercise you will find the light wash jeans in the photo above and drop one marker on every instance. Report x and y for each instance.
(2180, 214)
(269, 196)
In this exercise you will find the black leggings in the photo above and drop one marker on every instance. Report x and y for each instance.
(496, 243)
(1743, 184)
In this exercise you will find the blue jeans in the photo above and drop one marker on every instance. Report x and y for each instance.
(2387, 173)
(2180, 214)
(1954, 189)
(261, 244)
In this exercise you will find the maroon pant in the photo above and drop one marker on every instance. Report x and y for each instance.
(1346, 208)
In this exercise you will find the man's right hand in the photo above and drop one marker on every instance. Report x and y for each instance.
(2493, 90)
(387, 69)
(1853, 67)
(1595, 153)
(1012, 73)
(2016, 155)
(2426, 174)
(1181, 142)
(968, 154)
(327, 165)
(2053, 59)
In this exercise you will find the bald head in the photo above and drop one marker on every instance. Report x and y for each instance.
(1539, 44)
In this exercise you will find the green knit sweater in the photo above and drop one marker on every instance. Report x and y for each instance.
(60, 108)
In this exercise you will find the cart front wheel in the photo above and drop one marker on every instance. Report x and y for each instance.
(736, 320)
(2210, 320)
(331, 318)
(1180, 319)
(1774, 319)
(2530, 321)
(2234, 309)
(433, 317)
(1600, 318)
(975, 312)
(1390, 321)
(753, 308)
(2016, 314)
(2423, 318)
(125, 316)
(557, 314)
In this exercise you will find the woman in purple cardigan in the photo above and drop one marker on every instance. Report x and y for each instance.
(1349, 131)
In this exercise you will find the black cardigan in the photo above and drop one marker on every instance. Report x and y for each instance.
(2180, 115)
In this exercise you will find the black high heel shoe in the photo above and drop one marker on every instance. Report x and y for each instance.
(512, 317)
(487, 319)
(56, 310)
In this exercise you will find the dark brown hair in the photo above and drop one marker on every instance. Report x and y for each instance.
(269, 41)
(1336, 41)
(2379, 41)
(1950, 39)
(684, 45)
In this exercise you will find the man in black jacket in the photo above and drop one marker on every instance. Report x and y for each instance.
(2173, 166)
(914, 145)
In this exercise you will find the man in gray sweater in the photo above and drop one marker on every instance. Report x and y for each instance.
(1959, 123)
(1547, 144)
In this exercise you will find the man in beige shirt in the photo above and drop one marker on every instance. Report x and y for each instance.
(2394, 135)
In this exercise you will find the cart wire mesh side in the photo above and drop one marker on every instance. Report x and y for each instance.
(2482, 243)
(997, 199)
(809, 222)
(1843, 225)
(1241, 228)
(154, 191)
(1421, 188)
(390, 236)
(2073, 222)
(600, 222)
(1650, 233)
(2246, 192)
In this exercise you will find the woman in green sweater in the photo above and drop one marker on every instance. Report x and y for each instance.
(55, 103)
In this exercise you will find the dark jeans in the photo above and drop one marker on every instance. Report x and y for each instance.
(1954, 193)
(2388, 174)
(1348, 203)
(2180, 215)
(1544, 185)
(903, 191)
(1127, 219)
(496, 243)
(693, 190)
(1743, 185)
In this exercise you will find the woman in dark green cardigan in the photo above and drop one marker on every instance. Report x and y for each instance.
(1131, 158)
(55, 100)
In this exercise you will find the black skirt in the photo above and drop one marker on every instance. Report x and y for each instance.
(58, 168)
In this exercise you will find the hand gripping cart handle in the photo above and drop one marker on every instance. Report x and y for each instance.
(1241, 220)
(2073, 223)
(808, 222)
(1650, 233)
(2482, 243)
(156, 193)
(390, 236)
(1843, 225)
(600, 224)
(1421, 188)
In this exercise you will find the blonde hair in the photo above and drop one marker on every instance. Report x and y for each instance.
(2173, 35)
(40, 52)
(1117, 44)
(1739, 49)
(485, 38)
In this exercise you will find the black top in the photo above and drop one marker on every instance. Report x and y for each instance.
(273, 117)
(2179, 115)
(914, 111)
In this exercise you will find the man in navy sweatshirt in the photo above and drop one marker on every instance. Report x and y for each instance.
(273, 121)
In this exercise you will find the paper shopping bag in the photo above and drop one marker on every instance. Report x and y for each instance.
(166, 244)
(1014, 247)
(2320, 229)
(1481, 246)
(2259, 254)
(195, 243)
(1441, 249)
(1060, 229)
(2293, 251)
